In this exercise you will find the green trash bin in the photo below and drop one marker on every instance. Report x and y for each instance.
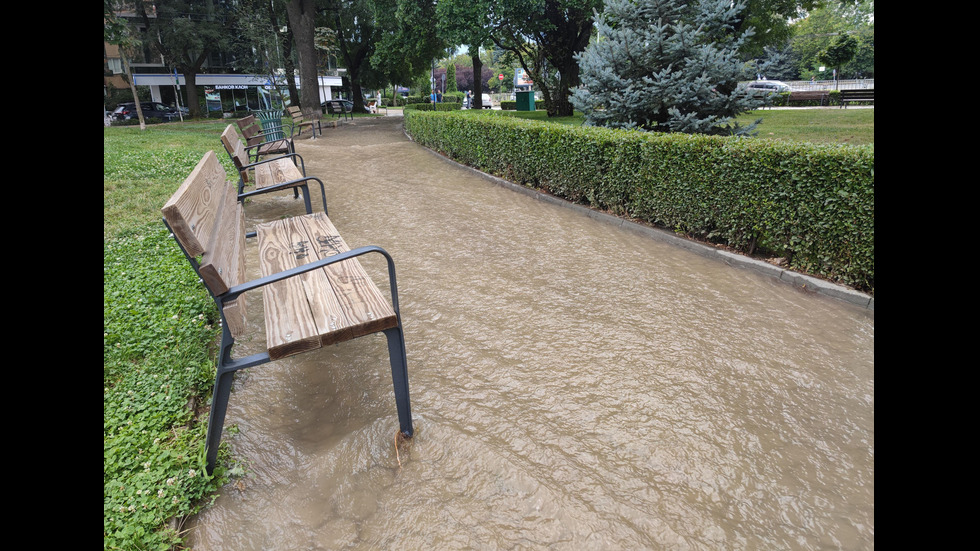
(525, 101)
(271, 121)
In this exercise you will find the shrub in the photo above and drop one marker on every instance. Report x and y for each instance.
(453, 97)
(433, 106)
(813, 204)
(512, 105)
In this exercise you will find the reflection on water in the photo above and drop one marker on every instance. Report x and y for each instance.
(575, 386)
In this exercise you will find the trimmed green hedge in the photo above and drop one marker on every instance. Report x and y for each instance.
(433, 106)
(512, 105)
(812, 204)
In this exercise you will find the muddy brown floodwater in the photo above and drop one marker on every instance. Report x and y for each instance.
(574, 386)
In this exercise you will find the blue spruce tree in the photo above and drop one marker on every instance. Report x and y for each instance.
(666, 66)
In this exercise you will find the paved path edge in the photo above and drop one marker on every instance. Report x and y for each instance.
(803, 282)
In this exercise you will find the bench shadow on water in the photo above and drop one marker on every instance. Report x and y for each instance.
(574, 386)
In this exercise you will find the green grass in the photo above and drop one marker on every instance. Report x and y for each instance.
(159, 327)
(142, 169)
(847, 126)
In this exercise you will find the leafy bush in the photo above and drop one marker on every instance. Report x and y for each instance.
(433, 107)
(512, 105)
(813, 204)
(453, 97)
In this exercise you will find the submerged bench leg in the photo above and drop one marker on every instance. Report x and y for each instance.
(216, 419)
(399, 377)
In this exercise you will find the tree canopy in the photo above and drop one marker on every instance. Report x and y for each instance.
(186, 33)
(546, 36)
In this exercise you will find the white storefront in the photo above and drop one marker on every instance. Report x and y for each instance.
(243, 89)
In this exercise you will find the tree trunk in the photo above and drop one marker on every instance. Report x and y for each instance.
(477, 77)
(287, 55)
(132, 88)
(302, 20)
(193, 102)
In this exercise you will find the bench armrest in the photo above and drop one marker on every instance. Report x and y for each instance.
(237, 290)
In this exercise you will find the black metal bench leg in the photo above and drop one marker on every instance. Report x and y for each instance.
(399, 377)
(216, 419)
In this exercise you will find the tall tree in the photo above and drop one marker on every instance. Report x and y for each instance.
(405, 44)
(546, 36)
(467, 22)
(814, 33)
(263, 46)
(840, 51)
(186, 33)
(117, 32)
(302, 16)
(664, 65)
(355, 25)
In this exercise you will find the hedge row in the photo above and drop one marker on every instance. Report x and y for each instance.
(511, 105)
(449, 97)
(782, 99)
(433, 106)
(812, 204)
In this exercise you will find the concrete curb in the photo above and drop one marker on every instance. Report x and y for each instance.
(796, 279)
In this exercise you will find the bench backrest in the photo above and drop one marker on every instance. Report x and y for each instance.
(296, 113)
(207, 221)
(236, 150)
(251, 129)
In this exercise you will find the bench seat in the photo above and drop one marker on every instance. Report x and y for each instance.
(330, 305)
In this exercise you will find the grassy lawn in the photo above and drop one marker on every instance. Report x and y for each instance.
(159, 326)
(849, 126)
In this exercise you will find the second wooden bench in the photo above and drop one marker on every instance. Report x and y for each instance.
(270, 174)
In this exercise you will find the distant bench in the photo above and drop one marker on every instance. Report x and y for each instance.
(863, 95)
(259, 143)
(339, 108)
(270, 174)
(314, 291)
(821, 96)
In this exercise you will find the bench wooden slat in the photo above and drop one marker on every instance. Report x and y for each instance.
(323, 307)
(271, 173)
(190, 212)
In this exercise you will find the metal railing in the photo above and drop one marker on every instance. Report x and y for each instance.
(853, 84)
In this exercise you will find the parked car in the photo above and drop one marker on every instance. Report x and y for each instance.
(487, 103)
(151, 110)
(767, 87)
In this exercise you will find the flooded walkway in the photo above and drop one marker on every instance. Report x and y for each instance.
(574, 386)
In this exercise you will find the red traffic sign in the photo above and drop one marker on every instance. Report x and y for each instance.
(501, 77)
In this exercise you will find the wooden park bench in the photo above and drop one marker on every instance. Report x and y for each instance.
(314, 291)
(300, 121)
(257, 142)
(339, 108)
(820, 96)
(270, 174)
(864, 95)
